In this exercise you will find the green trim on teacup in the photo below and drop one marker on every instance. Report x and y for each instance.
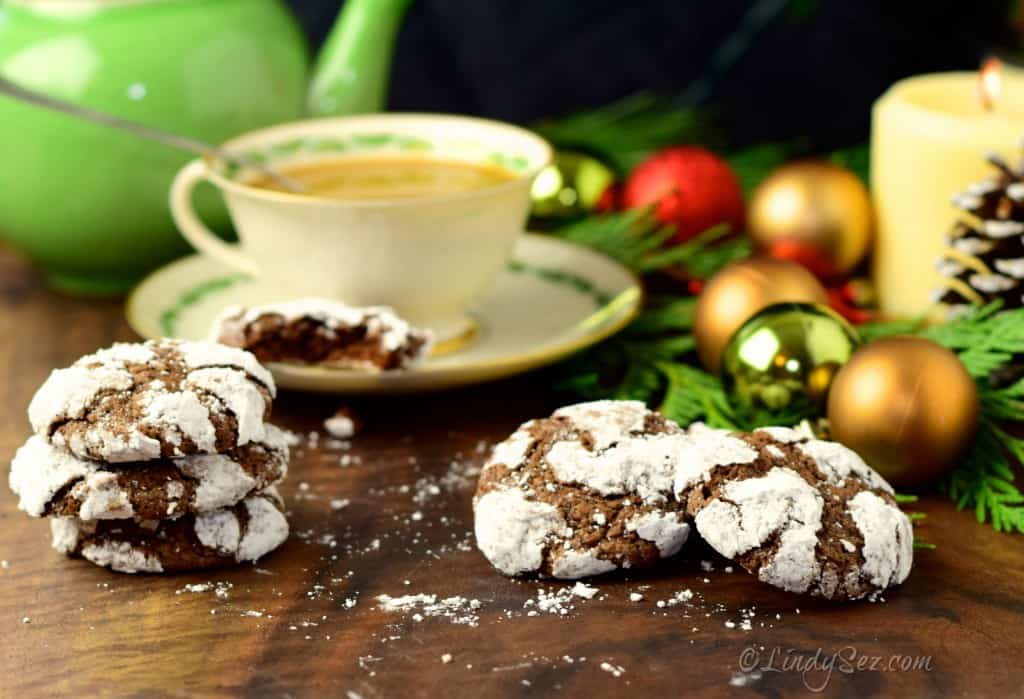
(169, 316)
(388, 142)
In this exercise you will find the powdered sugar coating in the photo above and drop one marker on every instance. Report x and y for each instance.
(622, 458)
(572, 565)
(804, 515)
(393, 333)
(887, 559)
(219, 537)
(135, 402)
(706, 449)
(243, 399)
(607, 421)
(201, 355)
(583, 492)
(266, 529)
(751, 511)
(392, 328)
(513, 531)
(839, 463)
(120, 556)
(666, 530)
(221, 481)
(104, 497)
(219, 530)
(45, 477)
(512, 452)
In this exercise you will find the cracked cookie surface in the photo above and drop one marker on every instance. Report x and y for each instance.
(802, 514)
(136, 402)
(324, 332)
(583, 492)
(52, 482)
(245, 532)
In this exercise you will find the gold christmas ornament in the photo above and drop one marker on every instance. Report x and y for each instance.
(786, 356)
(739, 291)
(815, 205)
(907, 405)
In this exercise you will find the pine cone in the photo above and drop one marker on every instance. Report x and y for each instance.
(984, 259)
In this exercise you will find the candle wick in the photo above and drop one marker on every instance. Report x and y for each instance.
(989, 83)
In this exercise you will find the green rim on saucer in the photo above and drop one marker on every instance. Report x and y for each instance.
(553, 299)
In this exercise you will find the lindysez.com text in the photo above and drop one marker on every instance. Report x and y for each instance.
(818, 667)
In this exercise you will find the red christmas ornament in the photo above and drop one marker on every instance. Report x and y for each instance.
(807, 254)
(609, 199)
(848, 300)
(691, 187)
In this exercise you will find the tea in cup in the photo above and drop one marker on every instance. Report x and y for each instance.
(417, 212)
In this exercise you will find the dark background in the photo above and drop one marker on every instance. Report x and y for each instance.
(811, 68)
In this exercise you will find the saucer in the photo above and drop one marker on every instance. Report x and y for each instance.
(553, 299)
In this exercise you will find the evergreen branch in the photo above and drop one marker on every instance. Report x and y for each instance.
(984, 480)
(626, 132)
(653, 361)
(636, 239)
(752, 165)
(878, 329)
(856, 158)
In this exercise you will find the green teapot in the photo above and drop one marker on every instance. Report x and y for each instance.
(88, 205)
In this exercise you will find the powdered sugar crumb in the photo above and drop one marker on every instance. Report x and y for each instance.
(614, 670)
(585, 591)
(456, 609)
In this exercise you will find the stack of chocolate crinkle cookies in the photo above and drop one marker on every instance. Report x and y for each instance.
(608, 485)
(156, 457)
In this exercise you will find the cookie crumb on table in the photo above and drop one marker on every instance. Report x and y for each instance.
(343, 424)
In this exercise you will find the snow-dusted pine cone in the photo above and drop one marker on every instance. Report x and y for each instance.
(984, 259)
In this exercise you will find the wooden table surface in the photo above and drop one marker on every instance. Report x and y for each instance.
(391, 516)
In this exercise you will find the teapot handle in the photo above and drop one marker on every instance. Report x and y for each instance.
(195, 231)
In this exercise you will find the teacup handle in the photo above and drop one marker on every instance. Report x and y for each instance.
(195, 231)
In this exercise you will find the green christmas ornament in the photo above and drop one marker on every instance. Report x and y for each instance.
(570, 187)
(786, 355)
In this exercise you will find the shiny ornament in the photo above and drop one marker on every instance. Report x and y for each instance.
(786, 356)
(739, 291)
(854, 300)
(572, 186)
(803, 253)
(821, 206)
(907, 405)
(691, 188)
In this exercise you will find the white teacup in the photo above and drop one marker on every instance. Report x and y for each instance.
(428, 257)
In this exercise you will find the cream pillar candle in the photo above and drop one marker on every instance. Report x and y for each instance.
(929, 138)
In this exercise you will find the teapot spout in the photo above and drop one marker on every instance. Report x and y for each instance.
(353, 68)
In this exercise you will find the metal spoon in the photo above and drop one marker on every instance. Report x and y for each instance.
(148, 132)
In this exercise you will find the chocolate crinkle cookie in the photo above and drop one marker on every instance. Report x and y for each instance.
(241, 533)
(156, 457)
(583, 492)
(50, 482)
(135, 402)
(609, 484)
(805, 515)
(326, 333)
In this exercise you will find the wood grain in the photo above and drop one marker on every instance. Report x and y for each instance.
(70, 628)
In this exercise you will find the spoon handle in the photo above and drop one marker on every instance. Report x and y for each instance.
(148, 132)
